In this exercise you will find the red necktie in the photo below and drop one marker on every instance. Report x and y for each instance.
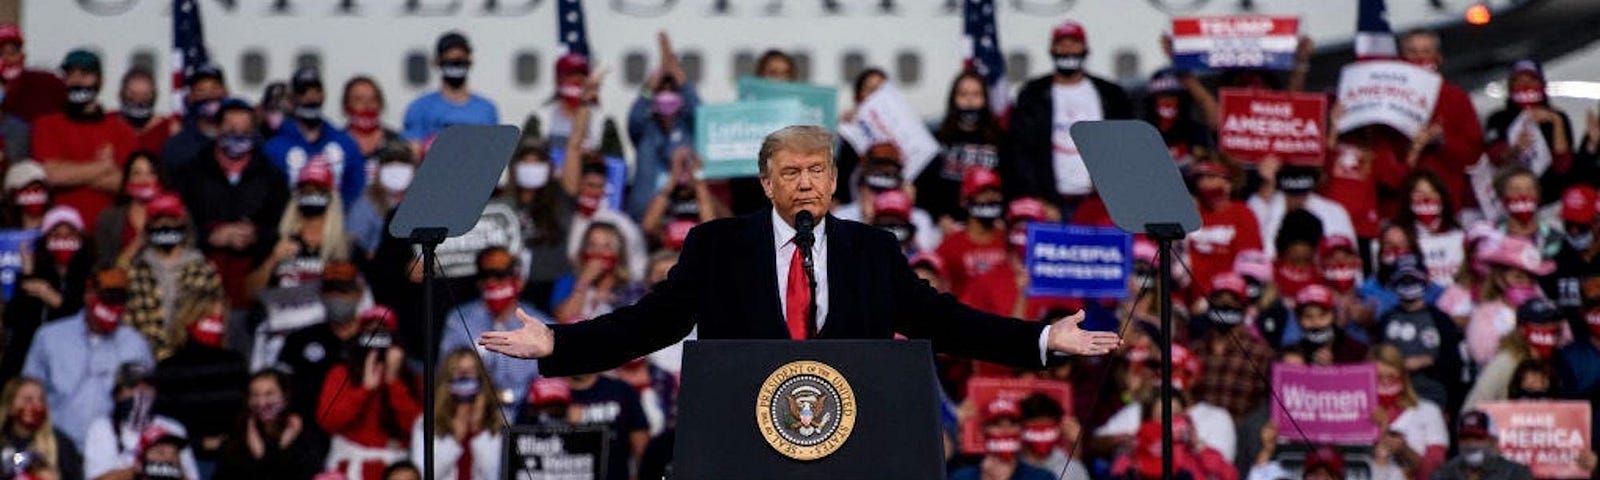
(799, 294)
(464, 465)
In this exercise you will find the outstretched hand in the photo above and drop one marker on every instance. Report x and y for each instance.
(1067, 337)
(533, 340)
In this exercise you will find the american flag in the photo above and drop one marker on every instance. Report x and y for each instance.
(572, 35)
(982, 46)
(1374, 38)
(188, 44)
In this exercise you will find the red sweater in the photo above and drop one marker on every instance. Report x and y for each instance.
(1224, 232)
(966, 259)
(357, 414)
(57, 138)
(1458, 148)
(1356, 173)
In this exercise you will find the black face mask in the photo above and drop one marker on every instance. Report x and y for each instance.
(454, 74)
(1068, 65)
(80, 102)
(902, 232)
(122, 409)
(309, 114)
(1319, 337)
(989, 212)
(313, 205)
(1517, 393)
(969, 116)
(881, 182)
(138, 114)
(1411, 290)
(1254, 290)
(165, 238)
(1225, 317)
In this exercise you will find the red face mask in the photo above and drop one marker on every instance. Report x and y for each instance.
(10, 70)
(1167, 112)
(143, 191)
(32, 199)
(1429, 63)
(1428, 211)
(1040, 439)
(31, 416)
(1389, 394)
(1005, 446)
(500, 294)
(588, 203)
(1213, 194)
(1291, 277)
(208, 330)
(64, 248)
(570, 93)
(1522, 207)
(103, 317)
(364, 120)
(1342, 277)
(1592, 318)
(608, 260)
(1527, 96)
(1543, 338)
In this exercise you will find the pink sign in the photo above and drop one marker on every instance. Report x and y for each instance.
(1545, 436)
(1329, 404)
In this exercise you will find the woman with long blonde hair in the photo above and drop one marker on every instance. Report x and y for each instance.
(1412, 430)
(310, 234)
(466, 420)
(26, 427)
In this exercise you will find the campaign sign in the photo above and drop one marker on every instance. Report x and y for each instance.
(13, 245)
(555, 451)
(885, 117)
(982, 390)
(1248, 41)
(1078, 262)
(1258, 123)
(1330, 404)
(1545, 436)
(1387, 92)
(729, 136)
(821, 103)
(497, 227)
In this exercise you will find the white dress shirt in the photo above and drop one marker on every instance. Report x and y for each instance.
(783, 241)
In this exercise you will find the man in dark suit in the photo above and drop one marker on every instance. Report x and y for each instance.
(742, 278)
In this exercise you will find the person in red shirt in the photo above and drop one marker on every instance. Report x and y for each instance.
(1453, 139)
(138, 97)
(978, 248)
(1362, 165)
(369, 403)
(1227, 226)
(1003, 289)
(82, 149)
(29, 93)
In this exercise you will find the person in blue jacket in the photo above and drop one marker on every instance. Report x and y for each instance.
(310, 136)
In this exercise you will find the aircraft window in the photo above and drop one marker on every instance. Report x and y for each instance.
(744, 63)
(908, 68)
(851, 66)
(802, 66)
(1017, 67)
(416, 69)
(692, 63)
(253, 67)
(308, 59)
(1126, 65)
(634, 68)
(143, 57)
(526, 68)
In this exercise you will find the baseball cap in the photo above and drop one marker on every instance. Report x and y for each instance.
(572, 64)
(166, 204)
(1519, 254)
(548, 391)
(1253, 264)
(204, 72)
(675, 233)
(1293, 179)
(1528, 67)
(61, 215)
(1165, 81)
(380, 316)
(452, 40)
(1026, 209)
(1314, 295)
(21, 174)
(316, 173)
(893, 203)
(305, 78)
(80, 59)
(1538, 310)
(10, 33)
(978, 179)
(1230, 282)
(928, 260)
(1334, 243)
(1579, 205)
(1069, 29)
(1215, 169)
(1475, 424)
(883, 152)
(1001, 408)
(132, 374)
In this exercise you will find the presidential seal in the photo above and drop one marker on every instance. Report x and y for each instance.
(805, 410)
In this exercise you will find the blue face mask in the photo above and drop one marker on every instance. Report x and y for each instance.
(464, 389)
(235, 146)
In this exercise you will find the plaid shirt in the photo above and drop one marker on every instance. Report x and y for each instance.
(1229, 377)
(145, 314)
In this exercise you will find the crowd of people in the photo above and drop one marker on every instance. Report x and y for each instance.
(211, 294)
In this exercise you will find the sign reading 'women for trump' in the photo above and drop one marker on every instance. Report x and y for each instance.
(1328, 404)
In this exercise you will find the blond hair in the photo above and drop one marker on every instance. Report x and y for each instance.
(444, 405)
(335, 243)
(805, 139)
(1390, 355)
(44, 438)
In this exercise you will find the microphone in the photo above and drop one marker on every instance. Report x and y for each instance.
(804, 239)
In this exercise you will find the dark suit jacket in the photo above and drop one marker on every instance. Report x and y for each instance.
(726, 282)
(1029, 164)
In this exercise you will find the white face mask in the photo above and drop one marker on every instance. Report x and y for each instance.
(532, 175)
(394, 177)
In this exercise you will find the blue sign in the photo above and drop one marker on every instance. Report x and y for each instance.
(13, 243)
(1078, 262)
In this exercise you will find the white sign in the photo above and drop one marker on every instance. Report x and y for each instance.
(886, 117)
(1387, 92)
